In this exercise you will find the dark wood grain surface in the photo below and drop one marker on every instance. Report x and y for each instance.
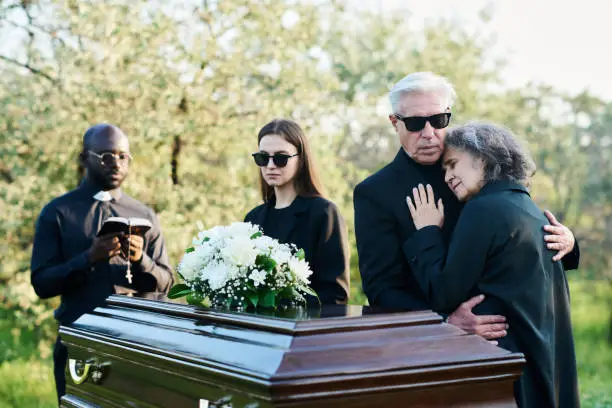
(163, 354)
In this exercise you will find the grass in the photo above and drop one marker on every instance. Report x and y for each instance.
(26, 368)
(26, 376)
(590, 319)
(27, 383)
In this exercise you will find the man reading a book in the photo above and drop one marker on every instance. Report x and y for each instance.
(74, 258)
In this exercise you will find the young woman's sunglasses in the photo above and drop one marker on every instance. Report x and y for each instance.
(280, 159)
(416, 123)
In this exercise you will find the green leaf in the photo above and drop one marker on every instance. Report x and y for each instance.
(190, 249)
(195, 299)
(256, 235)
(287, 293)
(253, 297)
(301, 255)
(268, 299)
(309, 290)
(178, 291)
(265, 262)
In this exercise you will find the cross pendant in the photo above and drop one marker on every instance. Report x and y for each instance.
(128, 273)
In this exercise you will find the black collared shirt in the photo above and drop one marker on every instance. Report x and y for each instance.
(65, 231)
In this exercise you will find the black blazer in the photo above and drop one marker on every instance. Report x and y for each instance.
(318, 228)
(498, 249)
(383, 224)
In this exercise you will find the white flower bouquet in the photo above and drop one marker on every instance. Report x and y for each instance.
(238, 266)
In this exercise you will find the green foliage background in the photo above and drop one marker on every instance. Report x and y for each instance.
(191, 82)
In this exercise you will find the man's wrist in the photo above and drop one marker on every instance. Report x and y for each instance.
(145, 264)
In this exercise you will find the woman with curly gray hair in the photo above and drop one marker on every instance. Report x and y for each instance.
(497, 249)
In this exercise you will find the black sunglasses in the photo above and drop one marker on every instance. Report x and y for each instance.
(280, 159)
(416, 123)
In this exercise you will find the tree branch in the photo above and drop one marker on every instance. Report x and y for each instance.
(4, 10)
(53, 33)
(29, 68)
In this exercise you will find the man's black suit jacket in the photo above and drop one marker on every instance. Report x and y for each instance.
(383, 225)
(318, 228)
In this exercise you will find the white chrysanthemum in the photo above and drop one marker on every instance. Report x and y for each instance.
(206, 252)
(240, 250)
(224, 257)
(189, 266)
(264, 243)
(281, 254)
(258, 277)
(216, 275)
(237, 229)
(205, 235)
(212, 234)
(195, 260)
(300, 269)
(233, 272)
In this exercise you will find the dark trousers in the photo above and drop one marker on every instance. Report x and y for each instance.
(60, 357)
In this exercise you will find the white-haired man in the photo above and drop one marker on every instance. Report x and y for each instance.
(421, 110)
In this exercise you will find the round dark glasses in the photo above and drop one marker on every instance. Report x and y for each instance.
(416, 123)
(280, 159)
(108, 158)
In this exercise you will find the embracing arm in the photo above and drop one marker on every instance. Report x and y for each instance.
(448, 278)
(572, 259)
(560, 238)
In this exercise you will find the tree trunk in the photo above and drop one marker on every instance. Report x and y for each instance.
(177, 143)
(176, 150)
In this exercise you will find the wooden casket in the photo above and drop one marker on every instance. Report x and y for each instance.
(144, 353)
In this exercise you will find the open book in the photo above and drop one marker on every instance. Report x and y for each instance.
(136, 226)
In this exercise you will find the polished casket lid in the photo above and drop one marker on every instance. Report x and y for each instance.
(293, 355)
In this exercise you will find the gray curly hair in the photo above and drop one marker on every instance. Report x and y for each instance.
(504, 157)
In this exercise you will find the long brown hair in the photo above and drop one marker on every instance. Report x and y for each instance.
(306, 179)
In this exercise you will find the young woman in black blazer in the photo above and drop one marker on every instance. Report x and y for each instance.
(294, 209)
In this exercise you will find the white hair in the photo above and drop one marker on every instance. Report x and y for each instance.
(419, 82)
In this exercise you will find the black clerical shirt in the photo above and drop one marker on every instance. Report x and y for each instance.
(65, 231)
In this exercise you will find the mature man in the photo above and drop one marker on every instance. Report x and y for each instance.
(421, 104)
(71, 261)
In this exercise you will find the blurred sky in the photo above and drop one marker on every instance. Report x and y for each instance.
(564, 43)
